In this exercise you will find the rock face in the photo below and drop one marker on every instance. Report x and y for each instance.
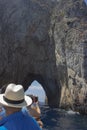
(27, 51)
(45, 40)
(70, 44)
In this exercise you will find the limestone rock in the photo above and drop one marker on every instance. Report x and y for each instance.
(45, 40)
(27, 52)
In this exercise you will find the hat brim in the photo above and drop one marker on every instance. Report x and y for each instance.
(27, 102)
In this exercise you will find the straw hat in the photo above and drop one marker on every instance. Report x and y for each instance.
(14, 97)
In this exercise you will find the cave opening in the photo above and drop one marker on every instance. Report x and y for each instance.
(36, 89)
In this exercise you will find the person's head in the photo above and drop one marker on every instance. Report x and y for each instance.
(34, 98)
(14, 98)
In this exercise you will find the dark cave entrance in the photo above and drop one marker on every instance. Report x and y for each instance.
(50, 86)
(38, 80)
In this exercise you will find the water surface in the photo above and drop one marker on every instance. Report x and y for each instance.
(56, 119)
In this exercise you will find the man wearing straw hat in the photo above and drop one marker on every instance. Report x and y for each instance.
(13, 100)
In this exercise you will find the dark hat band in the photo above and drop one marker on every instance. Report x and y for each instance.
(12, 101)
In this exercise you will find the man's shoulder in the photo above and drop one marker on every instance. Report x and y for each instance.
(2, 128)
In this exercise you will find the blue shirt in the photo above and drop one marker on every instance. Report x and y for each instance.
(19, 121)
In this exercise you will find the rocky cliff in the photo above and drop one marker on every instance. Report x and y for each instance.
(27, 51)
(70, 41)
(45, 40)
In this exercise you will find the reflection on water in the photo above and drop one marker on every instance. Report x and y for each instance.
(56, 119)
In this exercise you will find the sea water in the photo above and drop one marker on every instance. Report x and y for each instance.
(54, 118)
(57, 119)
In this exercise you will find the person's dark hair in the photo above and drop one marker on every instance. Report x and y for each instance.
(36, 99)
